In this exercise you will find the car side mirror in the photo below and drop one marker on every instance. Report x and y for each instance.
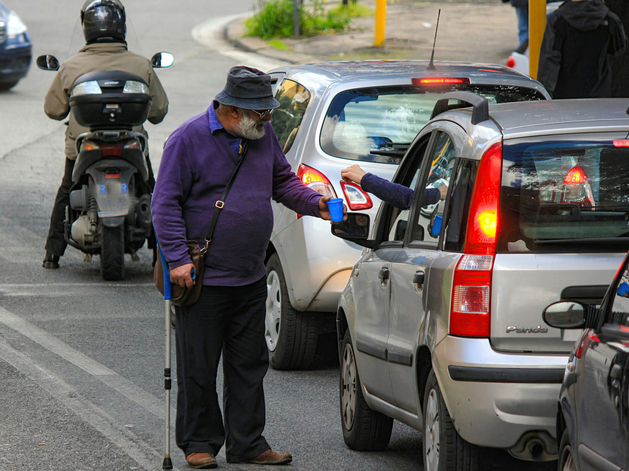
(355, 229)
(162, 60)
(566, 315)
(48, 62)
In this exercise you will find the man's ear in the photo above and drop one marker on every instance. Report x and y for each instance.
(235, 112)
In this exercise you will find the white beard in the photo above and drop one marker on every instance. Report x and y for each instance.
(250, 128)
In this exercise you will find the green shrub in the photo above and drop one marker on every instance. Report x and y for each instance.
(274, 19)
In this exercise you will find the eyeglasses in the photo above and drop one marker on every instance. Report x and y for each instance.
(263, 114)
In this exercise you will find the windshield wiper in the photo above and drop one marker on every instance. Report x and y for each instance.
(592, 240)
(392, 152)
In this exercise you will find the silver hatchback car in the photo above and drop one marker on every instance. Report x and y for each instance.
(332, 115)
(440, 326)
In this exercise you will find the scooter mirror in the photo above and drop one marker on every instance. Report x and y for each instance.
(48, 62)
(162, 60)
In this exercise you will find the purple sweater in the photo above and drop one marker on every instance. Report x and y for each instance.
(196, 165)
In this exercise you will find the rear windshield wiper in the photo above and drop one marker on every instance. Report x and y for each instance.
(395, 150)
(593, 240)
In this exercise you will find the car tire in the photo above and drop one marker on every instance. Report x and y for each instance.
(291, 336)
(363, 428)
(444, 449)
(566, 458)
(8, 85)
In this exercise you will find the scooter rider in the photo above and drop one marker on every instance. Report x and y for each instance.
(104, 28)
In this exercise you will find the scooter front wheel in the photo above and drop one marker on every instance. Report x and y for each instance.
(112, 253)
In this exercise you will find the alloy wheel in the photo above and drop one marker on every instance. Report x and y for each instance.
(273, 318)
(431, 432)
(348, 387)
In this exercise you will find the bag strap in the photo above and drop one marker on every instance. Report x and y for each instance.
(220, 204)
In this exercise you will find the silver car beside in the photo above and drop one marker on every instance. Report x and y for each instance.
(332, 115)
(440, 326)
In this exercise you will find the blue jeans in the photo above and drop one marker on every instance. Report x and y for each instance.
(523, 23)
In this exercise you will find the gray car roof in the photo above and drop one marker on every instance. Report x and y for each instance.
(353, 71)
(534, 116)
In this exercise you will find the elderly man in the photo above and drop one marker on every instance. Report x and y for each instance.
(198, 160)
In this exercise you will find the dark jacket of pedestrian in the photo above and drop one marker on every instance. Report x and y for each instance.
(574, 60)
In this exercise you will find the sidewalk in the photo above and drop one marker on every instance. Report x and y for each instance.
(473, 31)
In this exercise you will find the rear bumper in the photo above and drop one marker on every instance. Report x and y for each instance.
(495, 398)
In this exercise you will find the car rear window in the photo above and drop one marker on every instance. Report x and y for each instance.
(378, 124)
(565, 195)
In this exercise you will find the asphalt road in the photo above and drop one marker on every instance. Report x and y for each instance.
(81, 359)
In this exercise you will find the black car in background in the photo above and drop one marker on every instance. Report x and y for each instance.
(593, 417)
(15, 48)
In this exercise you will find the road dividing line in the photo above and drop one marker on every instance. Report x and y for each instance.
(109, 377)
(133, 446)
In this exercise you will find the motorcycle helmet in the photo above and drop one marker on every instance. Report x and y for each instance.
(103, 19)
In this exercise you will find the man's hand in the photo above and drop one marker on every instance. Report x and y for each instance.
(325, 212)
(180, 276)
(353, 174)
(443, 191)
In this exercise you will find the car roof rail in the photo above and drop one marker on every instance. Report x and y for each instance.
(480, 111)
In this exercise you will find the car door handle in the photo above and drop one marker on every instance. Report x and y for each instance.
(383, 274)
(418, 280)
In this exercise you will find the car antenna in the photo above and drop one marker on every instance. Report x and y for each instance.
(431, 66)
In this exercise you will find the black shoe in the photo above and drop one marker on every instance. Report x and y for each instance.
(51, 261)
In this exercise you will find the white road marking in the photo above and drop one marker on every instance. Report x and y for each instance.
(91, 414)
(209, 35)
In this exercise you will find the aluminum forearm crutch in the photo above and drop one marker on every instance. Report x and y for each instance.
(167, 464)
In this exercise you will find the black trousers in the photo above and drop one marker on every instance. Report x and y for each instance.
(227, 320)
(56, 243)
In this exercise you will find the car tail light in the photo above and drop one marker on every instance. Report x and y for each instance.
(315, 180)
(471, 290)
(471, 296)
(440, 81)
(623, 143)
(511, 62)
(355, 196)
(577, 188)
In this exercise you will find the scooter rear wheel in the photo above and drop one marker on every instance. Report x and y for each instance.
(112, 253)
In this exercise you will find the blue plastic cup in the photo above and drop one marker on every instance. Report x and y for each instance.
(335, 206)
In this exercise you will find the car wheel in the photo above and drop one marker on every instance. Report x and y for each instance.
(566, 459)
(444, 449)
(8, 85)
(363, 428)
(291, 336)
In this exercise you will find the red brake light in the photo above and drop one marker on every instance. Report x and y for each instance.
(623, 143)
(576, 188)
(355, 196)
(471, 289)
(111, 150)
(440, 81)
(315, 180)
(483, 223)
(511, 62)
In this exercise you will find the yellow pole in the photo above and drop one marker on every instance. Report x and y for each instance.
(381, 19)
(537, 25)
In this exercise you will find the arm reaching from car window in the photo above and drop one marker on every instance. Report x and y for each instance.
(395, 194)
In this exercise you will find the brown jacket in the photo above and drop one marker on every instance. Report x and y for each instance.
(103, 56)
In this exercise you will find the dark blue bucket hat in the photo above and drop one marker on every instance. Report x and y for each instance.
(248, 88)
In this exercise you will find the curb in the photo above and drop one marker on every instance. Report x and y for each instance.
(234, 34)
